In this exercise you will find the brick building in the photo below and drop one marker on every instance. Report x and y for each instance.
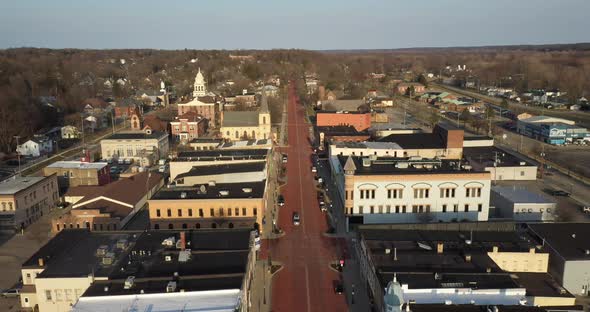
(76, 173)
(401, 88)
(360, 121)
(188, 126)
(203, 105)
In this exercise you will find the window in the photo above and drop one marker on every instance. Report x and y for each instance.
(198, 226)
(522, 173)
(184, 226)
(158, 214)
(466, 207)
(361, 209)
(170, 226)
(372, 209)
(255, 211)
(190, 212)
(373, 194)
(244, 212)
(455, 208)
(480, 207)
(68, 293)
(380, 208)
(214, 225)
(212, 212)
(403, 208)
(3, 206)
(394, 193)
(179, 212)
(396, 208)
(201, 212)
(169, 212)
(421, 193)
(9, 206)
(447, 192)
(346, 195)
(444, 208)
(48, 295)
(388, 209)
(229, 212)
(362, 194)
(473, 192)
(221, 212)
(237, 211)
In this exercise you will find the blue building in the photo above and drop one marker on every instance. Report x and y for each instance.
(553, 130)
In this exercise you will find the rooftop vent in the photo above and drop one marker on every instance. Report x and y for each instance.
(102, 250)
(122, 243)
(169, 241)
(129, 282)
(224, 193)
(106, 288)
(183, 195)
(522, 163)
(366, 162)
(211, 183)
(108, 258)
(247, 190)
(171, 287)
(168, 258)
(402, 165)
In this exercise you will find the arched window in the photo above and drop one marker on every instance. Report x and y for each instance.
(156, 226)
(237, 135)
(253, 134)
(170, 226)
(264, 120)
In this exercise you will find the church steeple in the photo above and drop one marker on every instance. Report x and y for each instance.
(200, 88)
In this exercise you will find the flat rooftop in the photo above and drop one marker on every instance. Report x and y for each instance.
(472, 308)
(14, 185)
(138, 135)
(519, 195)
(217, 191)
(391, 165)
(341, 130)
(78, 165)
(263, 143)
(75, 253)
(224, 169)
(344, 112)
(220, 154)
(490, 155)
(569, 240)
(452, 280)
(415, 140)
(369, 145)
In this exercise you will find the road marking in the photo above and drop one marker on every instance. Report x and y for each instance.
(299, 176)
(307, 288)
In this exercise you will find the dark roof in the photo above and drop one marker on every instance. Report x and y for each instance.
(470, 308)
(486, 156)
(386, 166)
(223, 169)
(128, 190)
(477, 138)
(452, 280)
(206, 140)
(139, 135)
(341, 130)
(150, 286)
(569, 240)
(221, 154)
(341, 112)
(541, 285)
(73, 253)
(204, 191)
(415, 140)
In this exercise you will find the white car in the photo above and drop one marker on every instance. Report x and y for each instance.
(314, 169)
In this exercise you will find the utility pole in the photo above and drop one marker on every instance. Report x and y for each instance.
(82, 128)
(18, 153)
(113, 122)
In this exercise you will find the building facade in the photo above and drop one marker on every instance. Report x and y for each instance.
(382, 190)
(188, 127)
(35, 147)
(76, 173)
(203, 106)
(240, 125)
(220, 205)
(23, 200)
(139, 146)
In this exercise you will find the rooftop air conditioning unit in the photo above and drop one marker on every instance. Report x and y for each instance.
(247, 190)
(169, 241)
(129, 282)
(183, 195)
(108, 259)
(402, 165)
(366, 162)
(211, 183)
(168, 258)
(122, 243)
(224, 192)
(102, 250)
(171, 287)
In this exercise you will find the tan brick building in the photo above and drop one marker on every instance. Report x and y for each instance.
(23, 200)
(221, 205)
(76, 173)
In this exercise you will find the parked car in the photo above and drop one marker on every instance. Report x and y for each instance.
(284, 158)
(121, 161)
(281, 200)
(323, 207)
(338, 287)
(128, 161)
(13, 292)
(314, 169)
(559, 193)
(296, 219)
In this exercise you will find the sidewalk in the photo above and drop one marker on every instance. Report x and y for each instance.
(261, 291)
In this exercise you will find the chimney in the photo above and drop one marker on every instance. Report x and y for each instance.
(495, 249)
(439, 248)
(182, 240)
(41, 262)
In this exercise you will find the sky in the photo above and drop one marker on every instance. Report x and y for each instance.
(304, 24)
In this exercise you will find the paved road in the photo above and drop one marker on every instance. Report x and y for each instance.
(305, 282)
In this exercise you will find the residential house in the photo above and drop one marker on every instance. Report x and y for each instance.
(70, 132)
(35, 147)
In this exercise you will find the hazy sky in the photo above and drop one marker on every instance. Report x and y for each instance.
(307, 24)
